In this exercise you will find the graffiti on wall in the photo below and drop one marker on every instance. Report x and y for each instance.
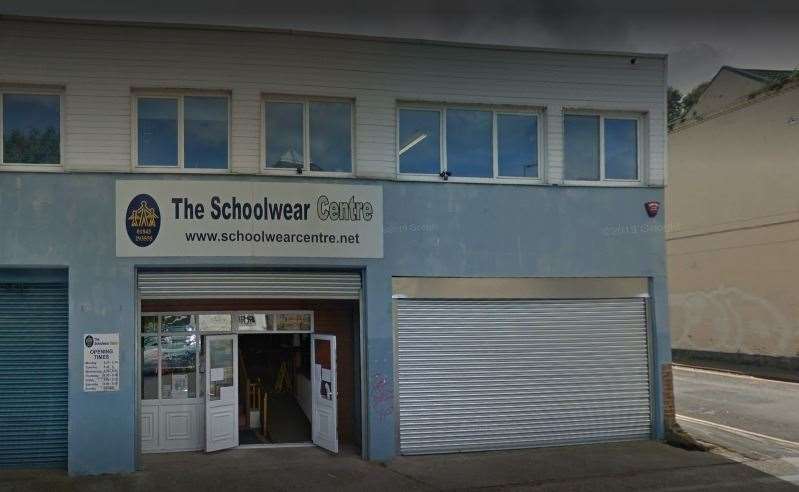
(728, 319)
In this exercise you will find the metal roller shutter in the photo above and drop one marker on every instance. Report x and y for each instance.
(249, 284)
(503, 374)
(33, 375)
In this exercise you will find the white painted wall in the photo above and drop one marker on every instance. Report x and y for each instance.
(99, 65)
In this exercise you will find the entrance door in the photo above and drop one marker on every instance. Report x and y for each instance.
(324, 423)
(221, 397)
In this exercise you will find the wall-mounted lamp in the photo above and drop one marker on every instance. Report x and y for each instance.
(445, 175)
(652, 208)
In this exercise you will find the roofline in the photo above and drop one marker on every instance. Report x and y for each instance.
(322, 34)
(744, 73)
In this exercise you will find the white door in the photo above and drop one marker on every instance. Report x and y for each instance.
(221, 396)
(325, 408)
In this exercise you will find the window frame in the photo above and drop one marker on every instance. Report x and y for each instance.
(495, 110)
(34, 91)
(180, 95)
(158, 334)
(306, 136)
(639, 118)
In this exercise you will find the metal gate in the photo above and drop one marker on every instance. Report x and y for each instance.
(33, 375)
(233, 284)
(503, 374)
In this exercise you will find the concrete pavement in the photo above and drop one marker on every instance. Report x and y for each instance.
(607, 467)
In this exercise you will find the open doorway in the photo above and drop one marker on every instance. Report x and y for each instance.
(275, 389)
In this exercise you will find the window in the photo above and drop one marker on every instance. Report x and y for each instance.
(308, 135)
(31, 128)
(183, 131)
(478, 143)
(601, 148)
(169, 352)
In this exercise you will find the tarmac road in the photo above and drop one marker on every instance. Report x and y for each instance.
(752, 420)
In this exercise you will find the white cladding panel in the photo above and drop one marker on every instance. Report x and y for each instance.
(100, 64)
(502, 374)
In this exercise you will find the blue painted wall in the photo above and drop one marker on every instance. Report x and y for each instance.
(431, 229)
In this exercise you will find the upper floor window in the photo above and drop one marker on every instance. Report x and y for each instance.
(308, 135)
(477, 142)
(602, 147)
(183, 131)
(31, 128)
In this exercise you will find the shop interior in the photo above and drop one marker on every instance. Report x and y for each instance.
(274, 388)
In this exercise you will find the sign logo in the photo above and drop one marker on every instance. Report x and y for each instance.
(652, 208)
(143, 220)
(88, 341)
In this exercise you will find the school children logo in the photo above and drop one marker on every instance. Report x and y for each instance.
(143, 220)
(88, 341)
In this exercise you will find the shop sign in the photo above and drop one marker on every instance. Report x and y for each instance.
(248, 218)
(101, 362)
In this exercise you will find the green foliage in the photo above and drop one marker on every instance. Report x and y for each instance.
(681, 106)
(32, 147)
(675, 106)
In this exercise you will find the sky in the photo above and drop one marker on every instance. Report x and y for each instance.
(699, 35)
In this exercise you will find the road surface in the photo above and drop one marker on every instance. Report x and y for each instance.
(753, 420)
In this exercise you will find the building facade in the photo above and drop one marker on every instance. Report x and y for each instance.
(443, 247)
(730, 247)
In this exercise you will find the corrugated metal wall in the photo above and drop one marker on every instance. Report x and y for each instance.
(33, 375)
(249, 284)
(479, 375)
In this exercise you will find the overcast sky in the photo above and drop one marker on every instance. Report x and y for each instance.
(699, 35)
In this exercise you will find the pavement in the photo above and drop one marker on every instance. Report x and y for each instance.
(625, 466)
(750, 420)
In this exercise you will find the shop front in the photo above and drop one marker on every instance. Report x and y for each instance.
(425, 325)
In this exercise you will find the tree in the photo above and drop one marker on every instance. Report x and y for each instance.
(675, 105)
(693, 96)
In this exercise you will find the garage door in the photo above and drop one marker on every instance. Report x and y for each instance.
(33, 375)
(502, 374)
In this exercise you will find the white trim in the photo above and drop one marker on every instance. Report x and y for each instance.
(37, 91)
(305, 101)
(640, 121)
(178, 95)
(495, 111)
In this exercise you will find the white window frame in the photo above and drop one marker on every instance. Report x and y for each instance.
(181, 165)
(306, 136)
(639, 118)
(495, 111)
(158, 334)
(34, 91)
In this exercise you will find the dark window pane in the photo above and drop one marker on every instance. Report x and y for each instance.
(419, 141)
(158, 132)
(330, 126)
(517, 138)
(582, 147)
(31, 129)
(149, 324)
(205, 136)
(469, 143)
(621, 149)
(149, 368)
(177, 323)
(284, 135)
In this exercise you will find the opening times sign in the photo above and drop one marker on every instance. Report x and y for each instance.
(248, 218)
(101, 362)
